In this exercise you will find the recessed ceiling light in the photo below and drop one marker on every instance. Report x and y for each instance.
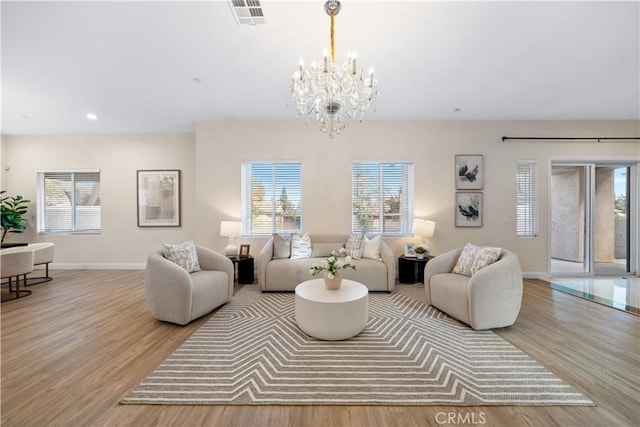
(91, 116)
(196, 80)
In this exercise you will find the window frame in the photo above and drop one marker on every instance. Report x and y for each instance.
(528, 194)
(247, 202)
(406, 211)
(42, 228)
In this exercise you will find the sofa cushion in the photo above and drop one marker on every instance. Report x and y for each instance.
(371, 273)
(474, 258)
(324, 249)
(183, 255)
(354, 246)
(281, 246)
(300, 246)
(286, 274)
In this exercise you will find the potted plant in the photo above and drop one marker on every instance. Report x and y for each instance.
(332, 266)
(420, 251)
(12, 208)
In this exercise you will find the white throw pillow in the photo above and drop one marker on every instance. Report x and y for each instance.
(184, 255)
(371, 248)
(474, 258)
(281, 246)
(300, 246)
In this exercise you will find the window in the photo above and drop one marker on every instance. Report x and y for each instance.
(69, 202)
(271, 198)
(527, 198)
(382, 197)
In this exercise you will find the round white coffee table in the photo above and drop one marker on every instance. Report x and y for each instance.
(332, 315)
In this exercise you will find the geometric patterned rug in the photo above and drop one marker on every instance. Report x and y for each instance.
(251, 352)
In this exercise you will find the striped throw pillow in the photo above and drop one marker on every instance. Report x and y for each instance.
(355, 246)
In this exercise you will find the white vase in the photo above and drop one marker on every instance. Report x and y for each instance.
(333, 284)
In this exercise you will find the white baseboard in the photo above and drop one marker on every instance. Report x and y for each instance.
(535, 275)
(96, 266)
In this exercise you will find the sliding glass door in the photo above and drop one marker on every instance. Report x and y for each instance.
(591, 219)
(569, 219)
(611, 220)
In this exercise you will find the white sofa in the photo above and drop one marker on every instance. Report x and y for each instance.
(490, 298)
(285, 274)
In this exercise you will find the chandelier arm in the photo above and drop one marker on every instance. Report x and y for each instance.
(309, 91)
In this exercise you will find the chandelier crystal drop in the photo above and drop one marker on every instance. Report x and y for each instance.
(334, 94)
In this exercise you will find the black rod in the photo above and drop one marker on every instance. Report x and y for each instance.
(563, 138)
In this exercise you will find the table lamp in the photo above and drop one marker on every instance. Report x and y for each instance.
(230, 229)
(424, 228)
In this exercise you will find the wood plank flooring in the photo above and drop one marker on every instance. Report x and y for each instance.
(74, 347)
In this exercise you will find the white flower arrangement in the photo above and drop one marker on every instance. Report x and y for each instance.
(332, 265)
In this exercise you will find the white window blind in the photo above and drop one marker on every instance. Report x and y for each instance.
(382, 198)
(69, 202)
(271, 197)
(527, 203)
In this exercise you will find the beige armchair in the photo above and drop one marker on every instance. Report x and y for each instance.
(179, 297)
(490, 298)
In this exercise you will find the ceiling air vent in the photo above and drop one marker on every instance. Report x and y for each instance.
(247, 12)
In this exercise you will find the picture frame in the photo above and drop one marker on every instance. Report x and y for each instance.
(468, 210)
(244, 251)
(469, 171)
(158, 198)
(410, 250)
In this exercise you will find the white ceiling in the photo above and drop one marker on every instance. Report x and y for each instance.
(133, 63)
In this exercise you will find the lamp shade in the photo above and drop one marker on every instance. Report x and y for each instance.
(424, 227)
(230, 228)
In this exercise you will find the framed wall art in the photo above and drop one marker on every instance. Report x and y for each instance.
(469, 172)
(469, 209)
(158, 198)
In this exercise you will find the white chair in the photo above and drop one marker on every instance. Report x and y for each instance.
(42, 254)
(16, 264)
(490, 298)
(179, 297)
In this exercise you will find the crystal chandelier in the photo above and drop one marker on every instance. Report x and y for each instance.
(334, 94)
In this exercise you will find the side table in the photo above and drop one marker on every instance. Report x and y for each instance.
(411, 269)
(244, 275)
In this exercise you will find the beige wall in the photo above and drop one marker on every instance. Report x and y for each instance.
(117, 157)
(432, 146)
(210, 162)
